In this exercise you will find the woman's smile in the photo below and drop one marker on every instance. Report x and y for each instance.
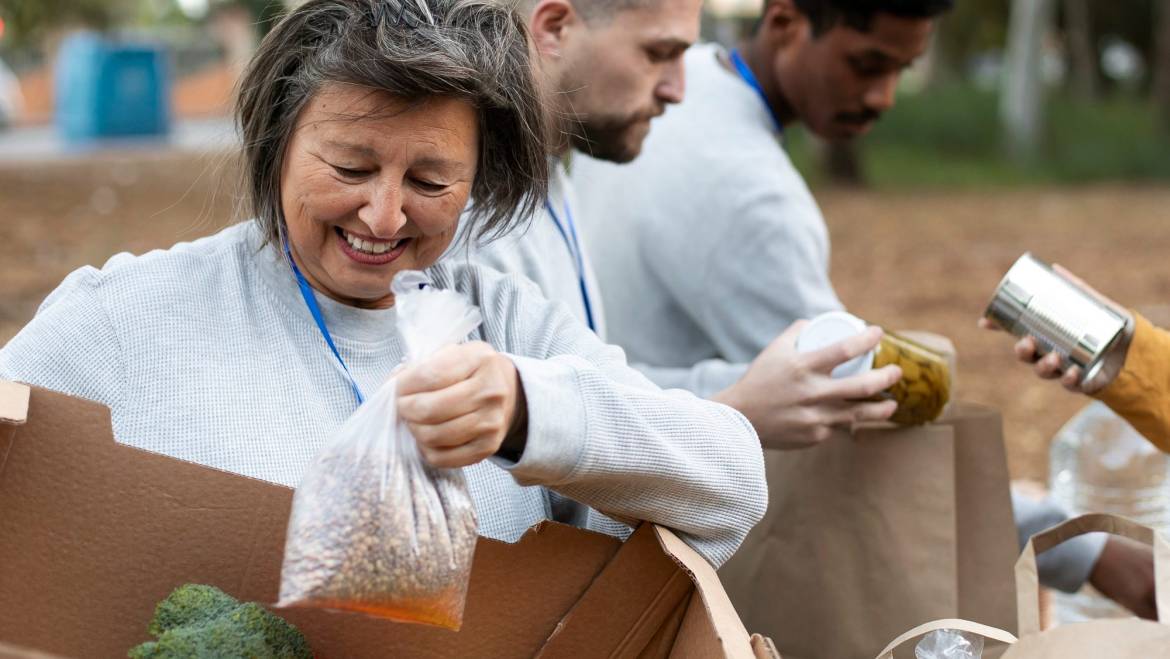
(368, 250)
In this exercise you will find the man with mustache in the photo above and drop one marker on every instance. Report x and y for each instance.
(711, 243)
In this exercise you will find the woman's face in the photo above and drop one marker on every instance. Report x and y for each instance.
(372, 185)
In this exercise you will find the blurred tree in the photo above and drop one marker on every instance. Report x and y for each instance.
(842, 161)
(1161, 84)
(1022, 96)
(1078, 21)
(29, 21)
(265, 12)
(972, 28)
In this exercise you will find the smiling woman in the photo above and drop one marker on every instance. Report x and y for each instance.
(368, 125)
(365, 199)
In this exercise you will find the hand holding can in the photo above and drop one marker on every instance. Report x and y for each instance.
(1068, 330)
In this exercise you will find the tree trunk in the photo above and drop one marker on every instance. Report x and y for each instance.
(1161, 88)
(1022, 99)
(1079, 26)
(843, 163)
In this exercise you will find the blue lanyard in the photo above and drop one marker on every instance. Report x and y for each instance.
(750, 78)
(315, 309)
(570, 238)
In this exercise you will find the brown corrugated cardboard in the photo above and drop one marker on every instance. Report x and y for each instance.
(94, 533)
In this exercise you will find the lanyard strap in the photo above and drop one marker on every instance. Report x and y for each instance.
(750, 78)
(570, 237)
(319, 318)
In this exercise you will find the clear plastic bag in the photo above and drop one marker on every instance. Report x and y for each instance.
(949, 644)
(374, 528)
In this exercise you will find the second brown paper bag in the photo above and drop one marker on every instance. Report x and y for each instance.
(870, 534)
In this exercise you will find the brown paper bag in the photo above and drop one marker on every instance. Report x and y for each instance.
(1116, 639)
(870, 534)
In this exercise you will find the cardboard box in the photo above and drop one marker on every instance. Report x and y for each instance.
(94, 533)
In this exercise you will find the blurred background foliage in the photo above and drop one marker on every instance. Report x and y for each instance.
(1102, 103)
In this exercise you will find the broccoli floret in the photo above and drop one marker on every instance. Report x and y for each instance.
(282, 639)
(189, 605)
(215, 639)
(202, 622)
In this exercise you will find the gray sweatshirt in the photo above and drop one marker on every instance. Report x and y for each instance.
(545, 251)
(710, 243)
(207, 353)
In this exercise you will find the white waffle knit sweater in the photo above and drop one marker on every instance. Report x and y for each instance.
(207, 353)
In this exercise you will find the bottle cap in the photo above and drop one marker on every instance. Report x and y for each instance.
(830, 328)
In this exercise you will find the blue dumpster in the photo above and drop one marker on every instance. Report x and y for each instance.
(107, 89)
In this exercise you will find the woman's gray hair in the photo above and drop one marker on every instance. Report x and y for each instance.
(474, 50)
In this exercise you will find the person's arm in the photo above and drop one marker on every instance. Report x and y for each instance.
(1067, 566)
(704, 379)
(1134, 379)
(743, 271)
(70, 345)
(1141, 391)
(746, 270)
(1119, 569)
(602, 434)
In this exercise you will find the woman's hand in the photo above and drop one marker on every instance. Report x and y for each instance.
(792, 399)
(463, 405)
(1051, 365)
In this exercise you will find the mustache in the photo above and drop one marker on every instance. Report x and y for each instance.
(859, 118)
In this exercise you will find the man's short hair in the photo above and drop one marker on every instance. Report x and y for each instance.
(597, 11)
(858, 14)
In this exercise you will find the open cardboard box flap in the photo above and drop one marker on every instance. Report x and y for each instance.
(93, 533)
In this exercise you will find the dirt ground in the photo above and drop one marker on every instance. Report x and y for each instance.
(921, 260)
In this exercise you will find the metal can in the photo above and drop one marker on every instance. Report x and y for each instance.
(1035, 300)
(925, 387)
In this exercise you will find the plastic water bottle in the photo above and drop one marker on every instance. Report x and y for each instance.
(1100, 464)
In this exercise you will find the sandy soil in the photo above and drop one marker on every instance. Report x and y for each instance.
(904, 260)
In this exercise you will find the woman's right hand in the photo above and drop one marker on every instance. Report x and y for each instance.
(463, 404)
(792, 399)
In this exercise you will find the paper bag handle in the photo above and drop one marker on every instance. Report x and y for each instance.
(992, 633)
(1028, 583)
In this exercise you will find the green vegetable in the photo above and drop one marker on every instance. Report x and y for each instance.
(203, 622)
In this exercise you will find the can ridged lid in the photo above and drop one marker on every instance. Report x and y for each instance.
(1014, 292)
(1008, 305)
(830, 328)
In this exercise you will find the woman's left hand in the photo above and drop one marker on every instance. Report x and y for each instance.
(463, 404)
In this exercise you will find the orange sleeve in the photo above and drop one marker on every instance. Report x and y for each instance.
(1141, 392)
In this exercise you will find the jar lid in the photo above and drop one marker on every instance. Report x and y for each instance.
(830, 328)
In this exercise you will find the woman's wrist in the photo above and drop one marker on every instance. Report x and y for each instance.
(512, 448)
(1114, 360)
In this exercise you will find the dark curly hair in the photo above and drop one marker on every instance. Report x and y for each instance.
(858, 14)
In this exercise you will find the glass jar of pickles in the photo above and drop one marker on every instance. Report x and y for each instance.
(925, 387)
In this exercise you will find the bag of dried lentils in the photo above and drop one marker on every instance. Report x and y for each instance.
(374, 528)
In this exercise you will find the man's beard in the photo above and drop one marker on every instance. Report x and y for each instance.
(607, 138)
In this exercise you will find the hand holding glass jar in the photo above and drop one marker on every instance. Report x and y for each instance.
(925, 386)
